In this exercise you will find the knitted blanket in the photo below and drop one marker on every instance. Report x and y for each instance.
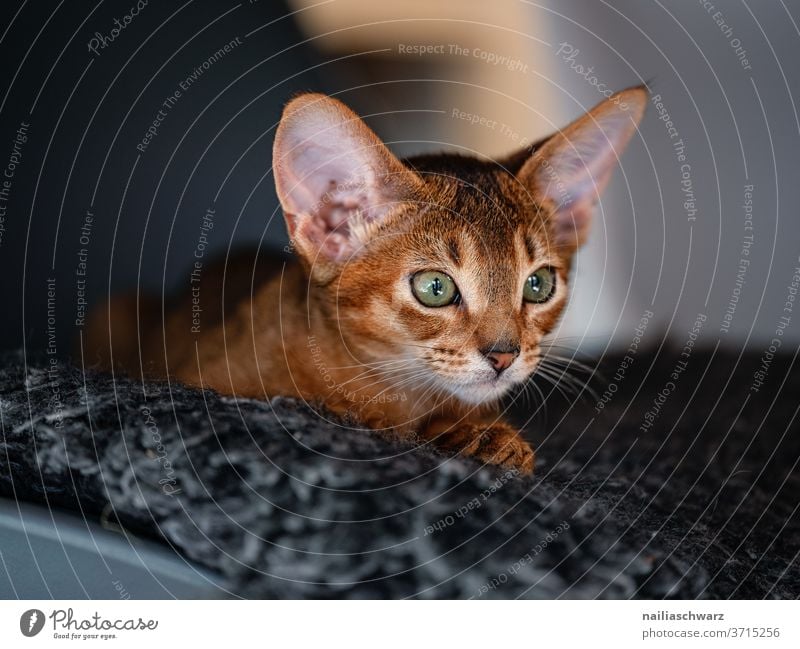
(635, 494)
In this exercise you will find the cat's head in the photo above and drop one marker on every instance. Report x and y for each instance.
(450, 267)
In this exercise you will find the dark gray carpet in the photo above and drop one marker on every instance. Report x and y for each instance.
(285, 504)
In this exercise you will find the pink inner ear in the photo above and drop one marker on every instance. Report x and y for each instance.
(584, 160)
(575, 167)
(328, 224)
(334, 244)
(574, 217)
(329, 171)
(316, 170)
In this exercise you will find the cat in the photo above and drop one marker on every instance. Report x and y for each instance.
(421, 289)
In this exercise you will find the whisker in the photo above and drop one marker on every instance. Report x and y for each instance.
(405, 381)
(367, 374)
(383, 363)
(571, 382)
(571, 362)
(405, 375)
(555, 382)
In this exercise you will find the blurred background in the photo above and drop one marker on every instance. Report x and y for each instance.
(127, 128)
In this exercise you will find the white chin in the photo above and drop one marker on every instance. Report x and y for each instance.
(480, 392)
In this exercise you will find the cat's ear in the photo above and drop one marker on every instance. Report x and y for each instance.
(337, 182)
(570, 169)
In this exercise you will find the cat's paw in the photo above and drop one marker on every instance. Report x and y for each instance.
(497, 443)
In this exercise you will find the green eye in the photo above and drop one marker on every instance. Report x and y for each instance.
(433, 288)
(539, 287)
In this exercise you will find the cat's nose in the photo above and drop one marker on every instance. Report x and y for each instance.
(501, 359)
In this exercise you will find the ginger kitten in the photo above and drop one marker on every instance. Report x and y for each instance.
(422, 288)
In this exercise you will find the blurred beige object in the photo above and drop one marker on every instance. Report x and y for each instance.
(494, 54)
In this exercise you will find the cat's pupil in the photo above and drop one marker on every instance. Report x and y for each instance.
(535, 283)
(436, 287)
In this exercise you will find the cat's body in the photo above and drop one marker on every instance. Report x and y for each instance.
(421, 292)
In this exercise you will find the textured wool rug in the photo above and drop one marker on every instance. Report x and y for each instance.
(686, 491)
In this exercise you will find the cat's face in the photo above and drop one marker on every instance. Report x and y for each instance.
(444, 272)
(465, 285)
